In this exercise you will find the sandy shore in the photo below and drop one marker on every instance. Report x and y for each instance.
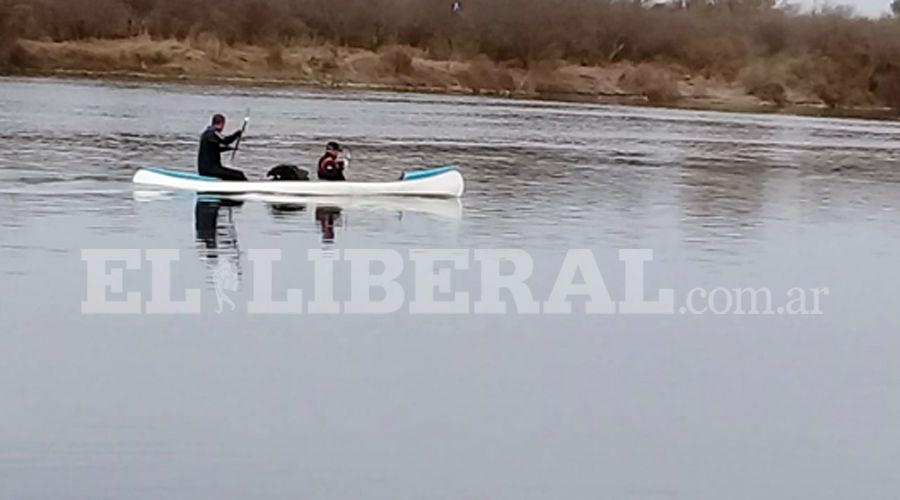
(404, 69)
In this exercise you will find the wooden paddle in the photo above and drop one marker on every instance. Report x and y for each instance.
(237, 144)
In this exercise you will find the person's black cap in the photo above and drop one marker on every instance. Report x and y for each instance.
(333, 145)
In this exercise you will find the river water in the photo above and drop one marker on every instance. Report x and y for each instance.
(401, 405)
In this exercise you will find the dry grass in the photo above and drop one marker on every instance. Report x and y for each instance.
(498, 46)
(482, 74)
(657, 85)
(763, 81)
(275, 56)
(396, 60)
(329, 66)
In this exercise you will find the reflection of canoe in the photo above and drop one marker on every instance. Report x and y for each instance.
(444, 182)
(447, 208)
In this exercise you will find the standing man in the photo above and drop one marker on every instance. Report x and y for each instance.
(212, 144)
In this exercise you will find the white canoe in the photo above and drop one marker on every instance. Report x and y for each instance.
(443, 182)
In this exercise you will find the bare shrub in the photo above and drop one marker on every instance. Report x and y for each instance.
(210, 44)
(885, 83)
(14, 57)
(484, 74)
(258, 21)
(80, 19)
(396, 61)
(325, 63)
(275, 56)
(8, 37)
(839, 84)
(15, 20)
(714, 38)
(544, 78)
(771, 31)
(760, 81)
(722, 55)
(439, 49)
(770, 91)
(22, 22)
(830, 93)
(657, 85)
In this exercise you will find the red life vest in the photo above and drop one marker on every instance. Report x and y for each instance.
(330, 169)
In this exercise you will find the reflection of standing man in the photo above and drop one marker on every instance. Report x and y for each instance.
(225, 278)
(206, 218)
(206, 223)
(217, 238)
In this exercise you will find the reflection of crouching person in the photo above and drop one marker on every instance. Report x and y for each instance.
(331, 165)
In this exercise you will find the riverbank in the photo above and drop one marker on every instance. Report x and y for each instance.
(397, 68)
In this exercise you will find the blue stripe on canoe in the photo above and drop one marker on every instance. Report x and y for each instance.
(410, 175)
(428, 172)
(182, 174)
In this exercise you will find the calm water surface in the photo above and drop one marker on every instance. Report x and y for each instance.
(405, 406)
